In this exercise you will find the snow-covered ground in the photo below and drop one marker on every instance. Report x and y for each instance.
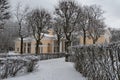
(12, 53)
(54, 69)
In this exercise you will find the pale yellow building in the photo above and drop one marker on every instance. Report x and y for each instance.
(101, 40)
(49, 43)
(105, 38)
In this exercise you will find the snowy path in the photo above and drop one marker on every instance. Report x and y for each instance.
(55, 69)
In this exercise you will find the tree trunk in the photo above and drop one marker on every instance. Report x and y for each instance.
(94, 41)
(37, 47)
(21, 46)
(67, 44)
(58, 46)
(84, 37)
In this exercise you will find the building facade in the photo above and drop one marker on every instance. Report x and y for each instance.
(49, 43)
(105, 38)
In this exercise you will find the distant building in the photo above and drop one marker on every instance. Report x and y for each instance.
(49, 43)
(105, 38)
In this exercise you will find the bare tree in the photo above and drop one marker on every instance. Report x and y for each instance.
(7, 36)
(96, 23)
(67, 11)
(91, 23)
(58, 31)
(38, 20)
(4, 12)
(115, 35)
(83, 23)
(20, 14)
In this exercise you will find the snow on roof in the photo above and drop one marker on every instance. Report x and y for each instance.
(30, 38)
(46, 36)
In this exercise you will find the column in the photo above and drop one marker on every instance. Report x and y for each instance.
(53, 47)
(60, 46)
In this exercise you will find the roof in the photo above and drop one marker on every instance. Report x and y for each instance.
(46, 36)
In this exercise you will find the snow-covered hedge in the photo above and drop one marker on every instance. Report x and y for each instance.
(10, 66)
(98, 62)
(42, 56)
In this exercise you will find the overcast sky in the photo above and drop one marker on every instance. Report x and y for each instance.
(111, 8)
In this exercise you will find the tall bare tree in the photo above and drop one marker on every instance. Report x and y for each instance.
(4, 12)
(67, 11)
(38, 20)
(20, 14)
(96, 23)
(58, 31)
(91, 23)
(83, 23)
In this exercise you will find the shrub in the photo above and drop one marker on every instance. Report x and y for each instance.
(98, 62)
(13, 65)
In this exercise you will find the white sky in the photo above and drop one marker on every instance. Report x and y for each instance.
(111, 8)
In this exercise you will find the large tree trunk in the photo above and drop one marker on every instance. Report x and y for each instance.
(94, 41)
(67, 44)
(58, 44)
(21, 46)
(37, 47)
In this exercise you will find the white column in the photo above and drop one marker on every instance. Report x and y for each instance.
(60, 46)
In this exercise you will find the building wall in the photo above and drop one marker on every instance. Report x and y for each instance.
(101, 40)
(33, 43)
(51, 32)
(47, 46)
(17, 46)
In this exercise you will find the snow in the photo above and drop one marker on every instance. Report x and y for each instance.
(12, 53)
(31, 38)
(54, 69)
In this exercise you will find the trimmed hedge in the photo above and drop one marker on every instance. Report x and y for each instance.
(98, 62)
